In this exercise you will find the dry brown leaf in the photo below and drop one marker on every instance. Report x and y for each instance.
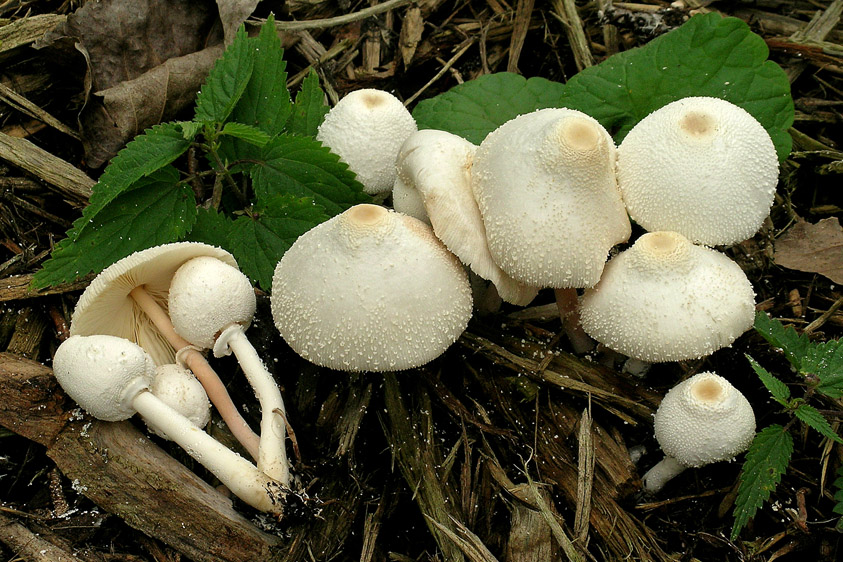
(815, 248)
(232, 14)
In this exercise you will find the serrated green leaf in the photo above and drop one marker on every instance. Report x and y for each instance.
(152, 150)
(795, 346)
(474, 109)
(260, 239)
(779, 390)
(825, 360)
(709, 55)
(810, 415)
(212, 227)
(265, 103)
(189, 129)
(766, 461)
(155, 210)
(302, 167)
(251, 135)
(227, 81)
(310, 108)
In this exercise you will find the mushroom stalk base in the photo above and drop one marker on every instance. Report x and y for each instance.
(196, 362)
(655, 478)
(568, 305)
(238, 474)
(272, 453)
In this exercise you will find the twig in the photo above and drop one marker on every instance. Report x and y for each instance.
(443, 70)
(338, 20)
(824, 318)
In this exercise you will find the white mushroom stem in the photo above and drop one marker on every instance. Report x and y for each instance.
(238, 474)
(568, 305)
(272, 453)
(655, 478)
(196, 362)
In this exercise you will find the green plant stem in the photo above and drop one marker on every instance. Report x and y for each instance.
(222, 171)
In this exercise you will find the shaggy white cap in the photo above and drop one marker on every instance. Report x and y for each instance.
(699, 166)
(545, 184)
(179, 389)
(103, 374)
(370, 290)
(704, 420)
(665, 299)
(207, 295)
(366, 129)
(434, 168)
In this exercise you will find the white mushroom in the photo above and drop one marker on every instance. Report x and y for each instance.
(109, 377)
(129, 300)
(699, 166)
(370, 290)
(211, 303)
(179, 389)
(434, 168)
(366, 129)
(665, 299)
(700, 421)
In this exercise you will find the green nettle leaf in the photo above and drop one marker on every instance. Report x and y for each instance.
(766, 461)
(212, 227)
(302, 167)
(227, 81)
(260, 239)
(251, 135)
(474, 109)
(148, 152)
(777, 388)
(310, 108)
(825, 360)
(795, 346)
(155, 210)
(707, 56)
(810, 415)
(265, 102)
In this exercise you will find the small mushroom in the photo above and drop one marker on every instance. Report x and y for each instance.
(665, 299)
(366, 129)
(129, 300)
(700, 421)
(179, 389)
(702, 167)
(434, 169)
(109, 377)
(211, 303)
(370, 290)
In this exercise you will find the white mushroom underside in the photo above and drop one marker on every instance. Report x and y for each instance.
(362, 301)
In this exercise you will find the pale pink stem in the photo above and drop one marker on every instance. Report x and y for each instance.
(568, 305)
(196, 362)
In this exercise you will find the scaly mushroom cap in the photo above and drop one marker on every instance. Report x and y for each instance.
(704, 420)
(545, 184)
(366, 129)
(106, 307)
(370, 290)
(699, 166)
(103, 374)
(206, 295)
(665, 299)
(179, 389)
(436, 165)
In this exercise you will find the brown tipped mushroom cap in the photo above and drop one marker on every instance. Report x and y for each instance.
(699, 166)
(366, 129)
(436, 165)
(704, 420)
(370, 290)
(545, 185)
(106, 307)
(665, 299)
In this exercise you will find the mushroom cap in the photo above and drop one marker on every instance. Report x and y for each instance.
(665, 299)
(206, 295)
(437, 166)
(370, 290)
(702, 167)
(366, 129)
(179, 389)
(103, 374)
(106, 307)
(546, 188)
(704, 419)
